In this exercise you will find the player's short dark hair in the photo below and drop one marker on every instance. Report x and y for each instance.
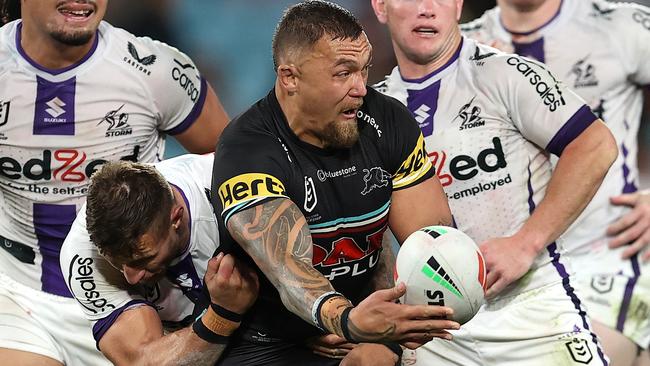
(9, 10)
(126, 200)
(303, 24)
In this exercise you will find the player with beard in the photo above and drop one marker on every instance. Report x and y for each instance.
(605, 60)
(491, 121)
(76, 92)
(306, 182)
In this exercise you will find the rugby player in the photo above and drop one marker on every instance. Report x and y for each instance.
(605, 61)
(305, 183)
(135, 257)
(76, 92)
(490, 122)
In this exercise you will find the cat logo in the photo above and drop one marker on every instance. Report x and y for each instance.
(249, 186)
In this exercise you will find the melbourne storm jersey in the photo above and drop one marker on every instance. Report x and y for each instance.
(102, 290)
(345, 195)
(58, 126)
(601, 50)
(489, 120)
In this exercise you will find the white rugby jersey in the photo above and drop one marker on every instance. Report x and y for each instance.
(601, 50)
(58, 126)
(490, 120)
(102, 290)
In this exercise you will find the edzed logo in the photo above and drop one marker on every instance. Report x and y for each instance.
(465, 167)
(81, 277)
(70, 164)
(642, 18)
(178, 74)
(248, 186)
(551, 95)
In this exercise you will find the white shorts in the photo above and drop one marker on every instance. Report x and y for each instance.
(541, 327)
(49, 325)
(616, 293)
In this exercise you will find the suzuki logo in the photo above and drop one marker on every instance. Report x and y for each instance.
(4, 112)
(56, 107)
(421, 114)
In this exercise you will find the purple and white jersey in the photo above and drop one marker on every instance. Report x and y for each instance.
(601, 50)
(102, 290)
(490, 120)
(58, 126)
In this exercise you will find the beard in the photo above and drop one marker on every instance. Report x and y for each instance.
(72, 38)
(340, 135)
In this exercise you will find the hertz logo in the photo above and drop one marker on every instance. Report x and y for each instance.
(414, 166)
(249, 186)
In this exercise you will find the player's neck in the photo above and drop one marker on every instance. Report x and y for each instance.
(410, 69)
(523, 22)
(49, 53)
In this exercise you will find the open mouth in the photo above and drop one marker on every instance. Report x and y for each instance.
(350, 113)
(76, 11)
(426, 31)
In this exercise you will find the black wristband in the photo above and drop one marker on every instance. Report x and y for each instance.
(206, 334)
(316, 315)
(226, 314)
(396, 348)
(344, 324)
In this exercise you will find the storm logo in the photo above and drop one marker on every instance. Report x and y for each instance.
(375, 178)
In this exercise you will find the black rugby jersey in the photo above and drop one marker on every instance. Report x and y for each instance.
(344, 194)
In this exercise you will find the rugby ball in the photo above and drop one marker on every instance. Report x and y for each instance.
(443, 266)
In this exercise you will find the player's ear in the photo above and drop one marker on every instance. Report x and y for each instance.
(379, 6)
(459, 9)
(177, 216)
(288, 77)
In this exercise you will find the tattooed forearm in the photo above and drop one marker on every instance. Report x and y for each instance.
(275, 234)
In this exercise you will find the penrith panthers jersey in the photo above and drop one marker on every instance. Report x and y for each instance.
(58, 126)
(601, 50)
(102, 290)
(490, 120)
(345, 195)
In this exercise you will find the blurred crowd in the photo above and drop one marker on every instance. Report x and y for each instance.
(230, 40)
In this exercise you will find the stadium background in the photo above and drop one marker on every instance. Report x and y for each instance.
(230, 40)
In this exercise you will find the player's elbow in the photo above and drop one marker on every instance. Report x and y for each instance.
(596, 146)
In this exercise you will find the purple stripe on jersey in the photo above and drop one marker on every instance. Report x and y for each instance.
(627, 295)
(54, 107)
(579, 122)
(423, 105)
(534, 49)
(194, 113)
(102, 325)
(22, 52)
(51, 225)
(628, 187)
(453, 58)
(531, 202)
(561, 270)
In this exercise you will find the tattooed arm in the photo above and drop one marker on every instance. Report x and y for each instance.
(276, 236)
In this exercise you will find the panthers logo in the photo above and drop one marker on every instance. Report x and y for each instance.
(375, 178)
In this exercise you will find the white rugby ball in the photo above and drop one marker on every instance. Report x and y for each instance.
(443, 266)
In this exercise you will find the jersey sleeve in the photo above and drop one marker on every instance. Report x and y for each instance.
(406, 155)
(249, 169)
(633, 36)
(98, 287)
(177, 88)
(538, 104)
